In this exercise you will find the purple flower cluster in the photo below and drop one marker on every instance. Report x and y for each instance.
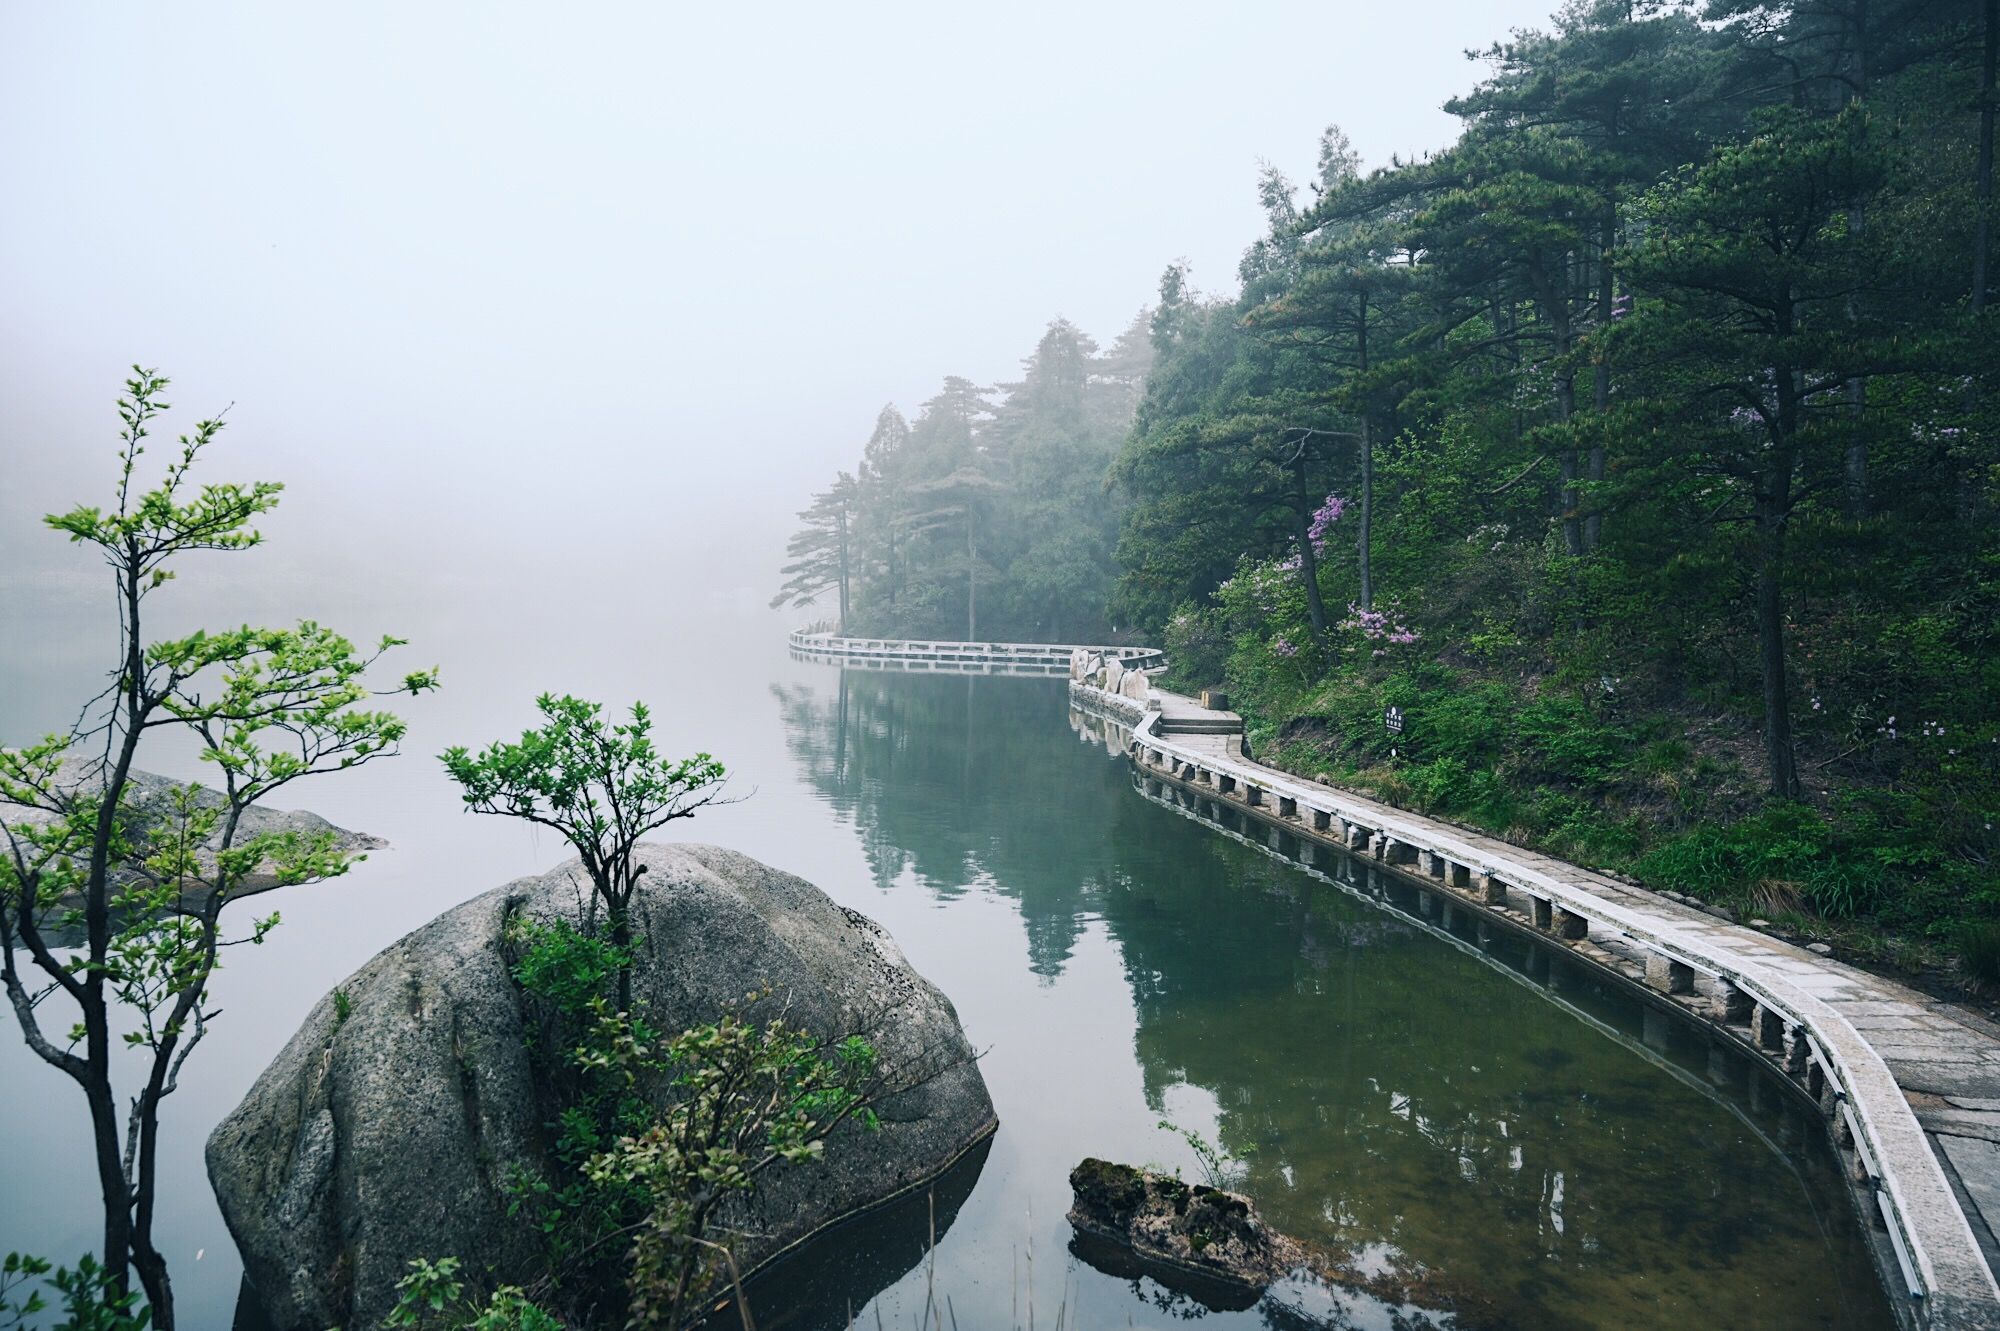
(1379, 626)
(1328, 514)
(1283, 647)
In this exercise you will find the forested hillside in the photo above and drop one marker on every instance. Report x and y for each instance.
(1639, 446)
(989, 515)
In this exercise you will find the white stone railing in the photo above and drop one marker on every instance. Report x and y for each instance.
(1044, 657)
(1939, 1256)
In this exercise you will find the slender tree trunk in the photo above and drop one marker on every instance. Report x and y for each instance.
(1365, 536)
(1855, 469)
(1308, 561)
(1982, 232)
(1364, 539)
(104, 1126)
(971, 581)
(1572, 524)
(620, 912)
(1773, 517)
(1600, 395)
(147, 1259)
(840, 520)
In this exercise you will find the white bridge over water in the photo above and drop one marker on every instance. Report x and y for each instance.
(965, 658)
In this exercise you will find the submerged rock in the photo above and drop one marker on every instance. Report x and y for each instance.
(389, 1126)
(1198, 1237)
(1212, 1247)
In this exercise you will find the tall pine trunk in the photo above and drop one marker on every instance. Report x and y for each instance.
(1982, 234)
(1600, 396)
(1557, 303)
(1773, 516)
(1855, 477)
(840, 520)
(971, 581)
(1365, 537)
(1308, 561)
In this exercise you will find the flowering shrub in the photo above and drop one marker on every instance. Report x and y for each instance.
(1379, 629)
(1323, 519)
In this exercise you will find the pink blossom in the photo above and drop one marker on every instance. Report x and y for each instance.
(1328, 514)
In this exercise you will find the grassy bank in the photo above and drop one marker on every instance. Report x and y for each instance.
(1884, 855)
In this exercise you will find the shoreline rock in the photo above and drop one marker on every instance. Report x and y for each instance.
(1197, 1235)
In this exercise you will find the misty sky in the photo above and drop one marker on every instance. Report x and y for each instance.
(518, 294)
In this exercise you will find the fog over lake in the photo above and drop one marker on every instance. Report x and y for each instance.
(549, 319)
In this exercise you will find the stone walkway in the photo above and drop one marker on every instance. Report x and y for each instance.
(1911, 1084)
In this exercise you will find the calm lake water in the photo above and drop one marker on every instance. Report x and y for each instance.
(1395, 1093)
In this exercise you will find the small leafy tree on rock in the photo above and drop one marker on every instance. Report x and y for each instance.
(603, 785)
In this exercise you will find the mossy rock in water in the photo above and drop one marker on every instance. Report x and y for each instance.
(1211, 1246)
(1203, 1241)
(393, 1124)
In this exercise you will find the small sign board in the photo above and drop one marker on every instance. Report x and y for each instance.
(1393, 719)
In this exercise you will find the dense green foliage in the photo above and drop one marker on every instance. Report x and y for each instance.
(111, 914)
(983, 516)
(1639, 446)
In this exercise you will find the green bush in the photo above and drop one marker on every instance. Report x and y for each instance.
(1571, 743)
(1979, 950)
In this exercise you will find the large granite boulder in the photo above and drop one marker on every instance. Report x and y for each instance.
(386, 1129)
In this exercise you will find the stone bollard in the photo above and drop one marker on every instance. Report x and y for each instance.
(1736, 1004)
(1492, 890)
(1798, 1050)
(1667, 975)
(1767, 1028)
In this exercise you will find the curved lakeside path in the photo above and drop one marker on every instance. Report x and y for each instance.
(1909, 1085)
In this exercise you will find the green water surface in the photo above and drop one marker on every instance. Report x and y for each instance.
(1461, 1111)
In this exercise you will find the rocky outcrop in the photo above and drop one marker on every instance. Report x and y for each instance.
(149, 806)
(1211, 1246)
(1200, 1237)
(388, 1127)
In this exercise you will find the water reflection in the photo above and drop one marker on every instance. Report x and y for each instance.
(1467, 1116)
